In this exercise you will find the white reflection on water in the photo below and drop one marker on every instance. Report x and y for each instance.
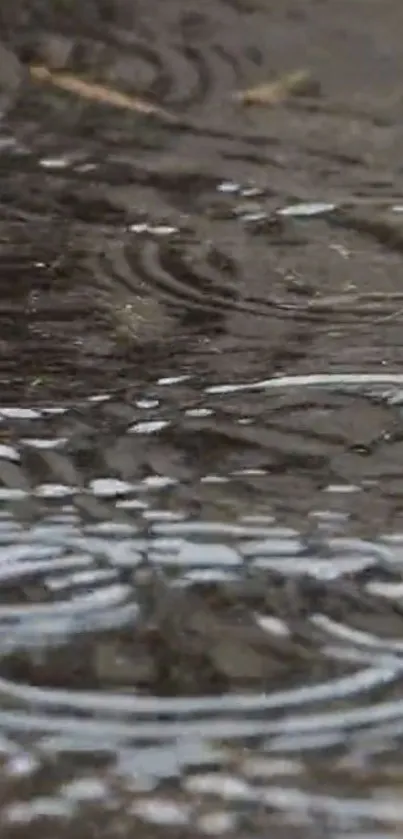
(331, 380)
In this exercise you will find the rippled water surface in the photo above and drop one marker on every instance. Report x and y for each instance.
(201, 429)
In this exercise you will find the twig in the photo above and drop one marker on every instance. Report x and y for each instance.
(99, 93)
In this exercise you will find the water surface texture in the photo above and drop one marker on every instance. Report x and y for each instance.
(201, 428)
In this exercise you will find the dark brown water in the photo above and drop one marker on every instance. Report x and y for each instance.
(201, 432)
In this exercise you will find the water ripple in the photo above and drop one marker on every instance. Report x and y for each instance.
(201, 499)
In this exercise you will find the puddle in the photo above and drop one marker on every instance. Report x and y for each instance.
(201, 494)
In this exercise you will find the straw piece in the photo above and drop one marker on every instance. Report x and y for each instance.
(98, 93)
(273, 93)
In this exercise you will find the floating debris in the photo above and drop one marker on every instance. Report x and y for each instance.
(98, 93)
(298, 83)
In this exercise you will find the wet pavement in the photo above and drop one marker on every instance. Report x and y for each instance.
(201, 437)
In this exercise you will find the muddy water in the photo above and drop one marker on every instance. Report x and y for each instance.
(201, 492)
